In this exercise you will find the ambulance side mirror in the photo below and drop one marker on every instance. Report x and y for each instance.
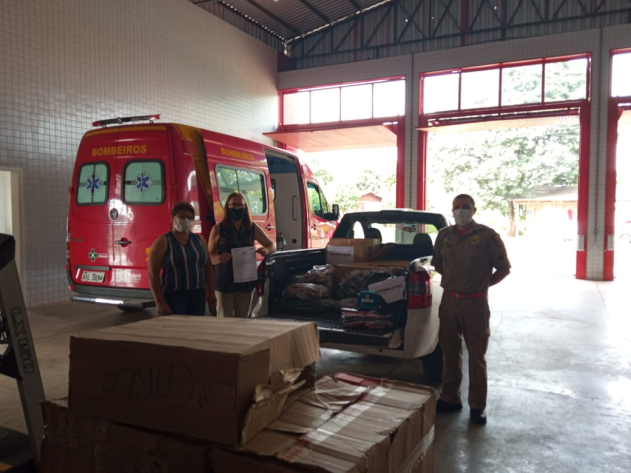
(335, 215)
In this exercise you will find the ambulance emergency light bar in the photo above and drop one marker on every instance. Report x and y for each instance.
(121, 120)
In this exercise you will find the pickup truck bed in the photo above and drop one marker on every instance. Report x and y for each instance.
(285, 268)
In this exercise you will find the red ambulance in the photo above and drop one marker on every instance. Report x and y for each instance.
(128, 177)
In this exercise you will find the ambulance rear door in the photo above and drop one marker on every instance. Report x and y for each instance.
(89, 237)
(140, 211)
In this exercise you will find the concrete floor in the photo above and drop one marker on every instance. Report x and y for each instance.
(559, 377)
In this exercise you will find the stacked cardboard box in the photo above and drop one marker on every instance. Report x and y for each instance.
(193, 376)
(227, 395)
(76, 443)
(345, 424)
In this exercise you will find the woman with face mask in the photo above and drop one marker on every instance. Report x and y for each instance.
(237, 230)
(180, 271)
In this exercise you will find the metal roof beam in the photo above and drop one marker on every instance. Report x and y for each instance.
(234, 11)
(376, 28)
(600, 5)
(517, 8)
(315, 10)
(541, 16)
(346, 35)
(558, 10)
(317, 43)
(477, 15)
(274, 17)
(446, 12)
(410, 19)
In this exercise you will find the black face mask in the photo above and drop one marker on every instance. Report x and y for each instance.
(237, 214)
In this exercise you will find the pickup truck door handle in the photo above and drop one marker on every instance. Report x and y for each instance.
(123, 242)
(270, 227)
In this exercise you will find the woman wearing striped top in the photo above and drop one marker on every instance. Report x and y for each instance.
(180, 272)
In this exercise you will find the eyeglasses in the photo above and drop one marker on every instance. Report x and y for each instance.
(188, 216)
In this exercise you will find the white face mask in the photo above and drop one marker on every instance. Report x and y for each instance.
(183, 224)
(463, 217)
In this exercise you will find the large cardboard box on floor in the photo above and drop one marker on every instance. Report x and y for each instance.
(345, 424)
(219, 380)
(80, 444)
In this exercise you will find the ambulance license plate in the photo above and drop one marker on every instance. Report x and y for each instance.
(92, 276)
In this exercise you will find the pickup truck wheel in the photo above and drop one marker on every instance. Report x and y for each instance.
(433, 365)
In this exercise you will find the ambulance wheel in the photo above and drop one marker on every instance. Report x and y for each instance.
(131, 310)
(433, 365)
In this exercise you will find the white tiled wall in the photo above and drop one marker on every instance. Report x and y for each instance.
(66, 63)
(597, 42)
(5, 201)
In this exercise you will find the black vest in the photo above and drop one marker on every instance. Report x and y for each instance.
(229, 238)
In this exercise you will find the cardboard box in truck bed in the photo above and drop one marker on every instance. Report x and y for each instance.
(80, 444)
(194, 376)
(345, 424)
(348, 250)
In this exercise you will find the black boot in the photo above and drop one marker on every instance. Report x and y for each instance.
(442, 406)
(478, 416)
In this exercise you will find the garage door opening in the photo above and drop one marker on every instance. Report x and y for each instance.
(617, 259)
(516, 137)
(357, 179)
(352, 136)
(525, 182)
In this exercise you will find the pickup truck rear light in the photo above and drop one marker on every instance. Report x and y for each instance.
(420, 289)
(260, 281)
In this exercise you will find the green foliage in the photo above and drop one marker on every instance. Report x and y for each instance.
(498, 165)
(347, 200)
(325, 177)
(370, 181)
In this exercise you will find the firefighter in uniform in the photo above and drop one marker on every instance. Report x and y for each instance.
(470, 257)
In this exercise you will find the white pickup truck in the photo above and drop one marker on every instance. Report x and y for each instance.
(405, 249)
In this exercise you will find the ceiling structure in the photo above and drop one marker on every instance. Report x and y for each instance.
(292, 19)
(313, 33)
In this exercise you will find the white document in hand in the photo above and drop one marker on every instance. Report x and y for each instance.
(244, 264)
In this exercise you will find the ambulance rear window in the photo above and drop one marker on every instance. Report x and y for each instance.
(92, 186)
(144, 183)
(251, 184)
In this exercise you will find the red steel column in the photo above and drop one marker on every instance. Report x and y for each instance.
(421, 171)
(613, 116)
(400, 199)
(583, 190)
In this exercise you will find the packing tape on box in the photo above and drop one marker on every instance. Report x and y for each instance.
(335, 424)
(334, 406)
(342, 419)
(415, 457)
